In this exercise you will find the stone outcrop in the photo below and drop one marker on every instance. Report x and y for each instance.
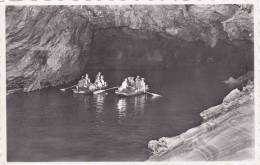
(50, 45)
(240, 25)
(44, 46)
(227, 133)
(232, 82)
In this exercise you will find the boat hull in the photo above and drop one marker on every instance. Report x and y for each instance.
(82, 91)
(85, 91)
(130, 93)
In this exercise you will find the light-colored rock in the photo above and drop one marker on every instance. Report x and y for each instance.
(231, 80)
(240, 25)
(164, 144)
(211, 112)
(234, 94)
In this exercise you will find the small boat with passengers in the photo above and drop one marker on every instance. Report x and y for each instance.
(85, 86)
(132, 87)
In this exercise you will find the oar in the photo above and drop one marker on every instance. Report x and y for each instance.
(100, 91)
(153, 94)
(64, 89)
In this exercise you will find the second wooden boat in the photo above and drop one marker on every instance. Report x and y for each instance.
(127, 93)
(83, 90)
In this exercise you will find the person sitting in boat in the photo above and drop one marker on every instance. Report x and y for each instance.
(98, 76)
(128, 81)
(146, 87)
(131, 82)
(142, 84)
(104, 83)
(87, 82)
(99, 81)
(138, 83)
(124, 85)
(137, 78)
(81, 82)
(92, 87)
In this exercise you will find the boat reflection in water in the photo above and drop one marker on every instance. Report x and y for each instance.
(83, 102)
(131, 108)
(139, 105)
(99, 100)
(121, 107)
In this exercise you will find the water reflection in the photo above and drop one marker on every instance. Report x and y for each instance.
(121, 107)
(79, 127)
(87, 100)
(139, 104)
(82, 101)
(99, 100)
(132, 107)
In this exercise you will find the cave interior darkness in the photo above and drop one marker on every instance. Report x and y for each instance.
(127, 49)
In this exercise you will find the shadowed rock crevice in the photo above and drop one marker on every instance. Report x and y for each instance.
(53, 45)
(124, 48)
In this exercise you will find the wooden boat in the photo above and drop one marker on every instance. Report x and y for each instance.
(67, 88)
(83, 90)
(129, 92)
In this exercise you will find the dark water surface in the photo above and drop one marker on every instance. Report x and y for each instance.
(51, 125)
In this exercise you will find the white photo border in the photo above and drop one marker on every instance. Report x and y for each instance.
(3, 136)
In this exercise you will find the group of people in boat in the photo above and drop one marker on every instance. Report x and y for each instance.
(130, 84)
(133, 84)
(86, 83)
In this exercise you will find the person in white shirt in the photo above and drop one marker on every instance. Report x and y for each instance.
(87, 81)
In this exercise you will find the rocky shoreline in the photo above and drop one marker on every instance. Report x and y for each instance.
(227, 133)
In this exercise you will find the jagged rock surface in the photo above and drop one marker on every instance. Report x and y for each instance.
(226, 134)
(49, 45)
(45, 46)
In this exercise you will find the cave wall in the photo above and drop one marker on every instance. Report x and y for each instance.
(124, 48)
(51, 45)
(44, 46)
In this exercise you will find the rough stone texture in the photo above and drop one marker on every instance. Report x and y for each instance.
(227, 133)
(49, 45)
(240, 25)
(45, 46)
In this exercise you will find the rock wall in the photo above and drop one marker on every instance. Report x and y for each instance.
(227, 133)
(45, 46)
(50, 45)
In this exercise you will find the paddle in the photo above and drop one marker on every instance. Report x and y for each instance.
(153, 94)
(100, 91)
(64, 89)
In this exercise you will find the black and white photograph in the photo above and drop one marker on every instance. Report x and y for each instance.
(130, 83)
